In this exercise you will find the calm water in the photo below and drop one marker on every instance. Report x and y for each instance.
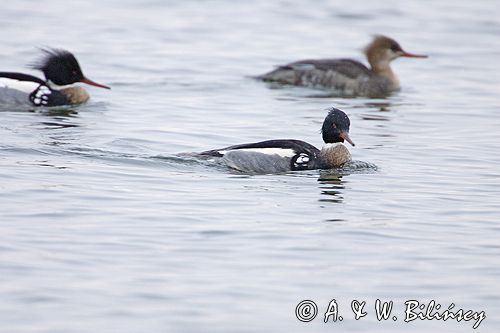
(103, 229)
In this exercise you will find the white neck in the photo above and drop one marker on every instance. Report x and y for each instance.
(54, 86)
(331, 145)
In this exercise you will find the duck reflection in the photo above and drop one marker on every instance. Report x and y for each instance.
(331, 185)
(381, 106)
(332, 181)
(60, 117)
(57, 124)
(62, 112)
(379, 110)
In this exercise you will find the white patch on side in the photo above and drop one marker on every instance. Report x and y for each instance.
(24, 86)
(268, 151)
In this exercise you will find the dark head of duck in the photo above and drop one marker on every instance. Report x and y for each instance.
(61, 68)
(336, 127)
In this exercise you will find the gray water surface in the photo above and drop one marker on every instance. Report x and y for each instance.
(103, 228)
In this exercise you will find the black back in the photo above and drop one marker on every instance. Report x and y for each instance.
(296, 145)
(21, 77)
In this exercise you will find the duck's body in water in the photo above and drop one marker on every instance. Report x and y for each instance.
(61, 71)
(347, 76)
(277, 156)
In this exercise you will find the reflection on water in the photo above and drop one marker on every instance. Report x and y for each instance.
(381, 106)
(45, 163)
(374, 117)
(63, 117)
(334, 220)
(332, 186)
(55, 125)
(64, 112)
(332, 181)
(57, 130)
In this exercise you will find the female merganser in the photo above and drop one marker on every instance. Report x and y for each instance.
(274, 156)
(61, 70)
(349, 77)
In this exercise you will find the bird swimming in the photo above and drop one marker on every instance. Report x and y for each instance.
(347, 76)
(276, 156)
(61, 71)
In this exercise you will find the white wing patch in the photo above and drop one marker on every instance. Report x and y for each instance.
(24, 86)
(41, 96)
(268, 151)
(301, 161)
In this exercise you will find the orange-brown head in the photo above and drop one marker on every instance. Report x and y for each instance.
(382, 50)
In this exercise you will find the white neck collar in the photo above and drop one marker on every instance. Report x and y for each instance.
(54, 86)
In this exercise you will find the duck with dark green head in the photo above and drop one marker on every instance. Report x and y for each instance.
(282, 155)
(61, 71)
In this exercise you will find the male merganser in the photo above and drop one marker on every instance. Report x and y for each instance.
(347, 76)
(61, 70)
(274, 156)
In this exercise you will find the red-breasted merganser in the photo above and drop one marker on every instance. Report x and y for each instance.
(275, 156)
(347, 76)
(61, 70)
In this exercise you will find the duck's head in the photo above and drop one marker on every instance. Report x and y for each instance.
(336, 127)
(382, 50)
(61, 68)
(335, 130)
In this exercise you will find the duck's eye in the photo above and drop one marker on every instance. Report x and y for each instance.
(395, 48)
